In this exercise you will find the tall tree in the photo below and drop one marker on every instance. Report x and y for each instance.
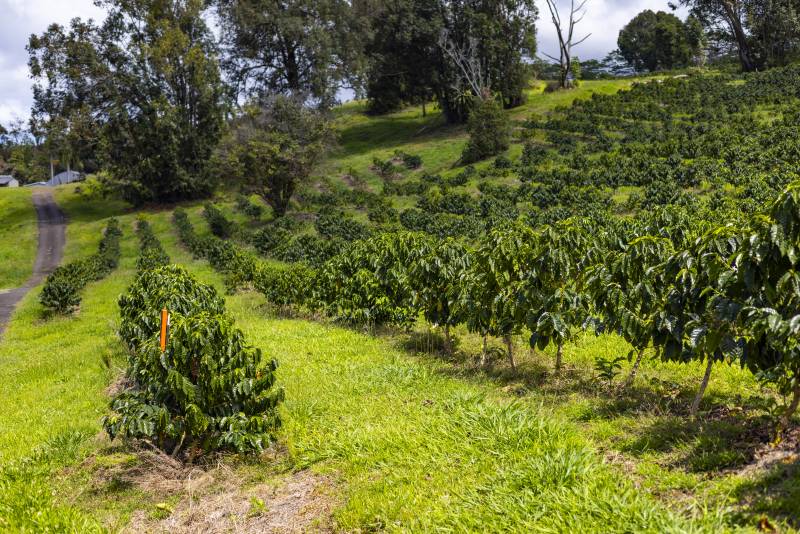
(655, 41)
(65, 65)
(727, 17)
(147, 84)
(274, 146)
(308, 47)
(407, 64)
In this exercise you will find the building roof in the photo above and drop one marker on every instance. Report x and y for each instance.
(66, 177)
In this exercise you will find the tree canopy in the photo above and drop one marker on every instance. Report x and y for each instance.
(657, 41)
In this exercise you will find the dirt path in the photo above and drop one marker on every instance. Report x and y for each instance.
(52, 225)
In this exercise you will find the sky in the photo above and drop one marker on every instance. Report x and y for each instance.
(20, 18)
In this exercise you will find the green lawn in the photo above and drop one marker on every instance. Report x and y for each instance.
(18, 237)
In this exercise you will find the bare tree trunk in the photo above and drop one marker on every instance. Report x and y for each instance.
(424, 112)
(743, 47)
(559, 354)
(510, 346)
(634, 370)
(448, 347)
(696, 403)
(484, 353)
(786, 418)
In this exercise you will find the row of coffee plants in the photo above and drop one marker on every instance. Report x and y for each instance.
(678, 141)
(208, 389)
(689, 290)
(62, 289)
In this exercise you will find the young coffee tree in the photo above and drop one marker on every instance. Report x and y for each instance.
(489, 299)
(628, 288)
(435, 277)
(764, 278)
(555, 307)
(698, 322)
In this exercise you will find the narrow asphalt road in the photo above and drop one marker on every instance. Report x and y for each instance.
(52, 226)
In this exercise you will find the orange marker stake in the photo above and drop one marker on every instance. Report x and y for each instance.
(164, 329)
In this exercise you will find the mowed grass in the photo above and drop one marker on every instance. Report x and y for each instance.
(18, 237)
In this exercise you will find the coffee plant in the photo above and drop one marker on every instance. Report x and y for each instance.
(61, 291)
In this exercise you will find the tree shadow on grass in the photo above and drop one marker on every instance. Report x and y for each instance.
(772, 488)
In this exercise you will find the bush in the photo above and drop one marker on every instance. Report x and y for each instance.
(489, 132)
(309, 248)
(410, 161)
(208, 391)
(152, 253)
(220, 226)
(61, 291)
(268, 238)
(248, 207)
(285, 285)
(333, 224)
(169, 287)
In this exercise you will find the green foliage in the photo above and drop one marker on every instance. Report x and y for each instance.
(273, 147)
(61, 291)
(169, 287)
(658, 41)
(220, 225)
(367, 284)
(152, 253)
(408, 66)
(208, 391)
(285, 285)
(248, 207)
(489, 132)
(156, 133)
(435, 278)
(608, 368)
(331, 224)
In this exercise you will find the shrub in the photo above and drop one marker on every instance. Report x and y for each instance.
(385, 169)
(285, 285)
(61, 291)
(489, 132)
(169, 287)
(409, 160)
(333, 224)
(309, 248)
(220, 226)
(152, 253)
(208, 391)
(248, 207)
(268, 238)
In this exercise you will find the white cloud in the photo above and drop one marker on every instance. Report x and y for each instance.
(20, 19)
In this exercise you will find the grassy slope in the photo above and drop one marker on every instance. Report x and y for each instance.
(18, 237)
(364, 138)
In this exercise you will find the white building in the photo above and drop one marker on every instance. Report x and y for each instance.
(8, 181)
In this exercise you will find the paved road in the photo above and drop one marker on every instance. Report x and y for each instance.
(52, 226)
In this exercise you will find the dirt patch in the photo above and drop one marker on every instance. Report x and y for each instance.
(769, 455)
(217, 497)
